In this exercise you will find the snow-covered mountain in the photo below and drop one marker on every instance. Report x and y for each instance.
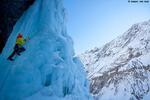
(121, 68)
(47, 70)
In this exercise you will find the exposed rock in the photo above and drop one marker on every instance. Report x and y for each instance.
(10, 12)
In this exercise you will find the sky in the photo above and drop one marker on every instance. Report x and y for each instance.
(92, 23)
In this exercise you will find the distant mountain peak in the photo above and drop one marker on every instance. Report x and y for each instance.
(121, 68)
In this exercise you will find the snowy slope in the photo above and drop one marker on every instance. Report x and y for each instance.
(121, 68)
(47, 70)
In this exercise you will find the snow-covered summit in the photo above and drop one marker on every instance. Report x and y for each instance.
(121, 67)
(47, 70)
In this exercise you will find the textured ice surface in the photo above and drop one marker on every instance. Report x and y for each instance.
(47, 70)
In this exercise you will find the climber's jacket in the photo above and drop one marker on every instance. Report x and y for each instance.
(20, 41)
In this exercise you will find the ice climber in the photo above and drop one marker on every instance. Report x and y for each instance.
(20, 41)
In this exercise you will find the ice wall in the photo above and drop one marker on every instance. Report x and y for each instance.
(47, 70)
